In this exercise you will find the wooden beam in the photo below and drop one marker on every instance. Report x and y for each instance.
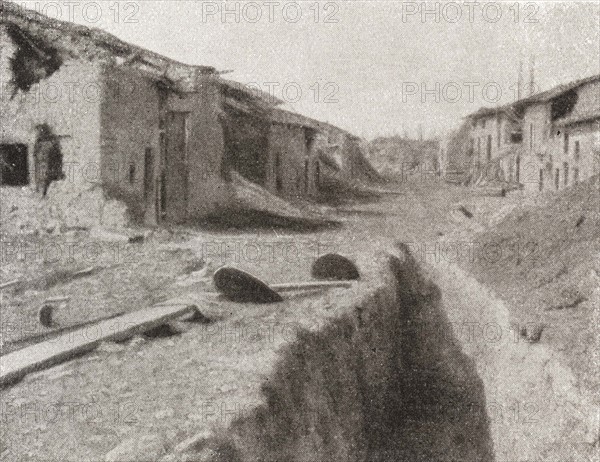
(294, 286)
(8, 284)
(54, 300)
(14, 366)
(291, 286)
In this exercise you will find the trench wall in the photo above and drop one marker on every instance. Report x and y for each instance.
(368, 386)
(396, 378)
(537, 409)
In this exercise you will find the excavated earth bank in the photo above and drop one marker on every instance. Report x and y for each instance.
(397, 377)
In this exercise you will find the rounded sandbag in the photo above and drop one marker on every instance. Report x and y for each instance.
(242, 287)
(334, 267)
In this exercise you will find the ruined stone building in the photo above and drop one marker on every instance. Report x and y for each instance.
(546, 141)
(84, 111)
(455, 154)
(142, 127)
(495, 143)
(561, 135)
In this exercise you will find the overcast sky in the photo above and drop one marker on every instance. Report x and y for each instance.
(372, 67)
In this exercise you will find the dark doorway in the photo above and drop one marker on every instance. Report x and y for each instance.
(489, 147)
(148, 171)
(518, 170)
(306, 176)
(151, 199)
(278, 173)
(246, 146)
(48, 159)
(163, 195)
(176, 187)
(557, 178)
(14, 165)
(541, 183)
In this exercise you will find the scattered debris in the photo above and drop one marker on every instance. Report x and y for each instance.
(162, 331)
(251, 197)
(465, 212)
(531, 333)
(194, 443)
(66, 346)
(573, 304)
(58, 329)
(117, 235)
(45, 315)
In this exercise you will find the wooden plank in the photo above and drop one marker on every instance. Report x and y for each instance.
(54, 300)
(50, 334)
(85, 272)
(291, 286)
(8, 284)
(15, 365)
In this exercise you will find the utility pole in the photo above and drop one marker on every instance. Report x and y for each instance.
(532, 75)
(520, 81)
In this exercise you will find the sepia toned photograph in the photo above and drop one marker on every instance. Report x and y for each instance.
(299, 231)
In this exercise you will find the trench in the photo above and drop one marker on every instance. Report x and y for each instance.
(384, 382)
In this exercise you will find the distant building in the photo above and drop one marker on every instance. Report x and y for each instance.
(561, 129)
(455, 154)
(546, 141)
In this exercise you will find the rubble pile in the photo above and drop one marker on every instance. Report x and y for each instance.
(22, 211)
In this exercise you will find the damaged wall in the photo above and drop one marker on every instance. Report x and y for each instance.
(129, 126)
(207, 192)
(68, 102)
(131, 134)
(106, 118)
(33, 60)
(564, 151)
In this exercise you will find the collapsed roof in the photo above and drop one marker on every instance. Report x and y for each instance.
(514, 110)
(71, 40)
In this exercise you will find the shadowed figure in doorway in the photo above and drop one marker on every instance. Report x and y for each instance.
(48, 159)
